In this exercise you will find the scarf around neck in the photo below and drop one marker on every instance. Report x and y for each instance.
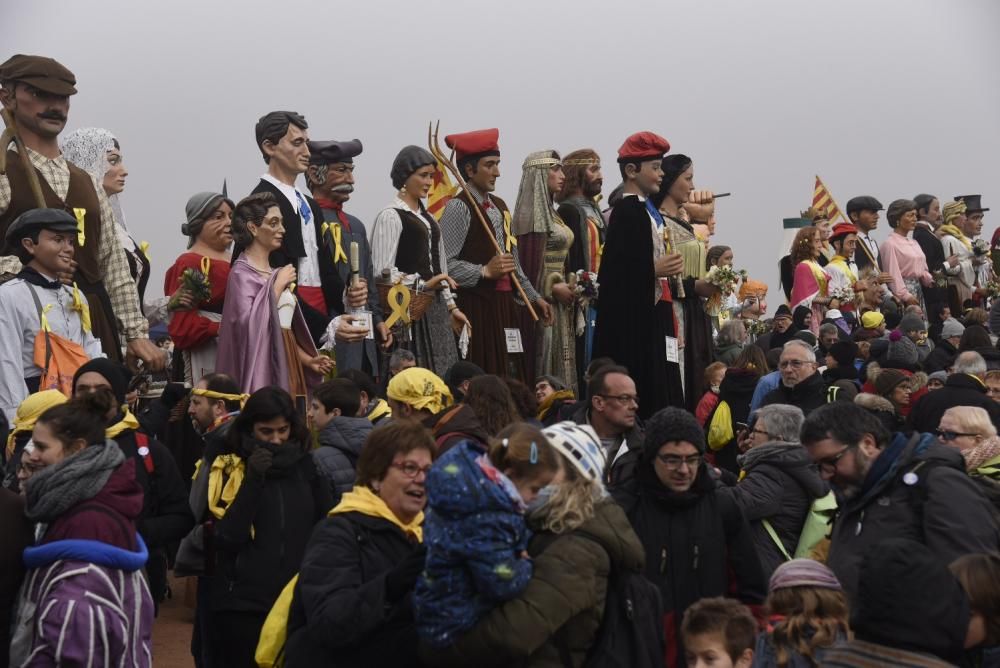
(958, 234)
(78, 478)
(363, 500)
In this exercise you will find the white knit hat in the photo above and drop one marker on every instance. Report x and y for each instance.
(578, 444)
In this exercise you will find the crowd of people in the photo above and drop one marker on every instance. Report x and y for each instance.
(420, 441)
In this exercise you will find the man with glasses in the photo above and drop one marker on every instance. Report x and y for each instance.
(801, 384)
(611, 410)
(696, 540)
(964, 387)
(894, 486)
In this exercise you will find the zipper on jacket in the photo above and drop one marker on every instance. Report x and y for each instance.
(663, 561)
(694, 564)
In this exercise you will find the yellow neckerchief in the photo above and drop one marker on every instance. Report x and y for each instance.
(381, 409)
(841, 262)
(957, 233)
(224, 481)
(337, 235)
(546, 405)
(128, 421)
(818, 274)
(363, 500)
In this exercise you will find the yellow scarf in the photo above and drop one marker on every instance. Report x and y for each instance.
(818, 274)
(957, 233)
(546, 406)
(841, 263)
(363, 500)
(128, 421)
(224, 481)
(381, 409)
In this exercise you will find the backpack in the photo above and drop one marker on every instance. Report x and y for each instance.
(815, 528)
(631, 631)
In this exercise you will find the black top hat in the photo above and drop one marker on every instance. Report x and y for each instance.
(972, 203)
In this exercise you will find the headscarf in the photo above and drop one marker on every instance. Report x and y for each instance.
(533, 211)
(197, 210)
(408, 161)
(420, 389)
(29, 411)
(87, 148)
(951, 211)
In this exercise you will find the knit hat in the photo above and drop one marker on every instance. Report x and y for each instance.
(672, 424)
(803, 573)
(460, 372)
(872, 319)
(113, 372)
(911, 322)
(902, 349)
(783, 312)
(952, 329)
(844, 352)
(580, 446)
(888, 380)
(897, 577)
(806, 337)
(420, 389)
(940, 376)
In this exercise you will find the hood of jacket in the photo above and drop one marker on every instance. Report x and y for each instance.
(737, 384)
(610, 527)
(792, 459)
(346, 433)
(463, 482)
(874, 402)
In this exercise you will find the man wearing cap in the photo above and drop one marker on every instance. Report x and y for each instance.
(330, 177)
(283, 142)
(636, 325)
(842, 269)
(863, 213)
(486, 292)
(43, 241)
(946, 350)
(36, 90)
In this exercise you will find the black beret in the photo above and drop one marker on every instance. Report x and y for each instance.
(330, 152)
(863, 203)
(34, 220)
(46, 74)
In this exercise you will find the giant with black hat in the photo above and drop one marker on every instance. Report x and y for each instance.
(973, 203)
(45, 74)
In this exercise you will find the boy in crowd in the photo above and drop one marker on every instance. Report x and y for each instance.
(333, 413)
(719, 632)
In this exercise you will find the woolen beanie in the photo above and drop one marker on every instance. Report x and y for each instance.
(902, 349)
(579, 445)
(116, 374)
(803, 573)
(887, 381)
(952, 328)
(911, 322)
(672, 424)
(844, 352)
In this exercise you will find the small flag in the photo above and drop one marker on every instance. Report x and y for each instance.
(824, 203)
(442, 191)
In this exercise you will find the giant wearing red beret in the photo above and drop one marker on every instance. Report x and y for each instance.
(643, 146)
(474, 144)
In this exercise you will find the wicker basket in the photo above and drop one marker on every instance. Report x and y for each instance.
(419, 301)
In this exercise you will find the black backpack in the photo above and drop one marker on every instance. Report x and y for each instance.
(631, 631)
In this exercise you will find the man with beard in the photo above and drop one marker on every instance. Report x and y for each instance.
(636, 326)
(331, 180)
(801, 384)
(578, 209)
(36, 90)
(486, 292)
(283, 142)
(894, 486)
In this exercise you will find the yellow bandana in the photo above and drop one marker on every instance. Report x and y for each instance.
(29, 411)
(420, 389)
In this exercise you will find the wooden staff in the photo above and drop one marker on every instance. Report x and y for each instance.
(432, 141)
(11, 135)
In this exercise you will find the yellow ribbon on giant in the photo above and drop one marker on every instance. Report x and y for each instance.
(509, 239)
(44, 321)
(399, 303)
(144, 247)
(206, 265)
(336, 233)
(81, 308)
(81, 234)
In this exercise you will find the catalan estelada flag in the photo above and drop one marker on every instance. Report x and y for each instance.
(442, 191)
(823, 201)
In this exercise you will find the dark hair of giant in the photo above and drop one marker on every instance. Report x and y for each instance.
(274, 125)
(251, 209)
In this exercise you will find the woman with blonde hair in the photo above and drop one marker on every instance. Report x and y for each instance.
(808, 614)
(970, 430)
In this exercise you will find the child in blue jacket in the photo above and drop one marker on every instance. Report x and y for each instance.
(475, 531)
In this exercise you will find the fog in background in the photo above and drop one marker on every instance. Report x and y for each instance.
(887, 98)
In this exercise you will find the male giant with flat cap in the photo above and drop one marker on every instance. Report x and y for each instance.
(331, 180)
(36, 90)
(635, 324)
(283, 141)
(485, 292)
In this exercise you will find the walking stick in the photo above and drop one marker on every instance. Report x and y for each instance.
(11, 135)
(435, 147)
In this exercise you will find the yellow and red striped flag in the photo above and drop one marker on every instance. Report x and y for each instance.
(823, 202)
(442, 191)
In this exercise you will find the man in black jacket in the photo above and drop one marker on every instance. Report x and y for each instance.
(946, 347)
(611, 410)
(929, 215)
(964, 387)
(696, 540)
(894, 486)
(801, 384)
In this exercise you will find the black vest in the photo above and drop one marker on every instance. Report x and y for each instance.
(411, 254)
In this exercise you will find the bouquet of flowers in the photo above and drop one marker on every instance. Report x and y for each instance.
(756, 328)
(587, 286)
(844, 295)
(981, 248)
(992, 288)
(940, 279)
(726, 279)
(195, 284)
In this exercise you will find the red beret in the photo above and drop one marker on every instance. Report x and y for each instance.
(643, 146)
(842, 230)
(477, 142)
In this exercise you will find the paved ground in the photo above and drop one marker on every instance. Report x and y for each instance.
(172, 631)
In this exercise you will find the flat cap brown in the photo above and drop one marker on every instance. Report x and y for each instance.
(46, 74)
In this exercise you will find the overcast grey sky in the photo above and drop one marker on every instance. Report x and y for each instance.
(887, 98)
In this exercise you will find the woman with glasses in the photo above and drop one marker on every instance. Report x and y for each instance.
(696, 540)
(970, 429)
(352, 603)
(263, 338)
(264, 514)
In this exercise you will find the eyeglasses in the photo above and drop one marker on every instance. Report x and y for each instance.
(623, 399)
(761, 432)
(674, 462)
(411, 470)
(948, 435)
(830, 462)
(795, 364)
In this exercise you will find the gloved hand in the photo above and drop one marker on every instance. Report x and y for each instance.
(403, 578)
(173, 393)
(259, 462)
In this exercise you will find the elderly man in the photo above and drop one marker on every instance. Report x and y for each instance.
(801, 383)
(36, 90)
(965, 386)
(894, 486)
(779, 484)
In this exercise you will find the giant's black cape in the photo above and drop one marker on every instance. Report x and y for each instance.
(631, 327)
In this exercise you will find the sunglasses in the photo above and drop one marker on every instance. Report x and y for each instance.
(948, 435)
